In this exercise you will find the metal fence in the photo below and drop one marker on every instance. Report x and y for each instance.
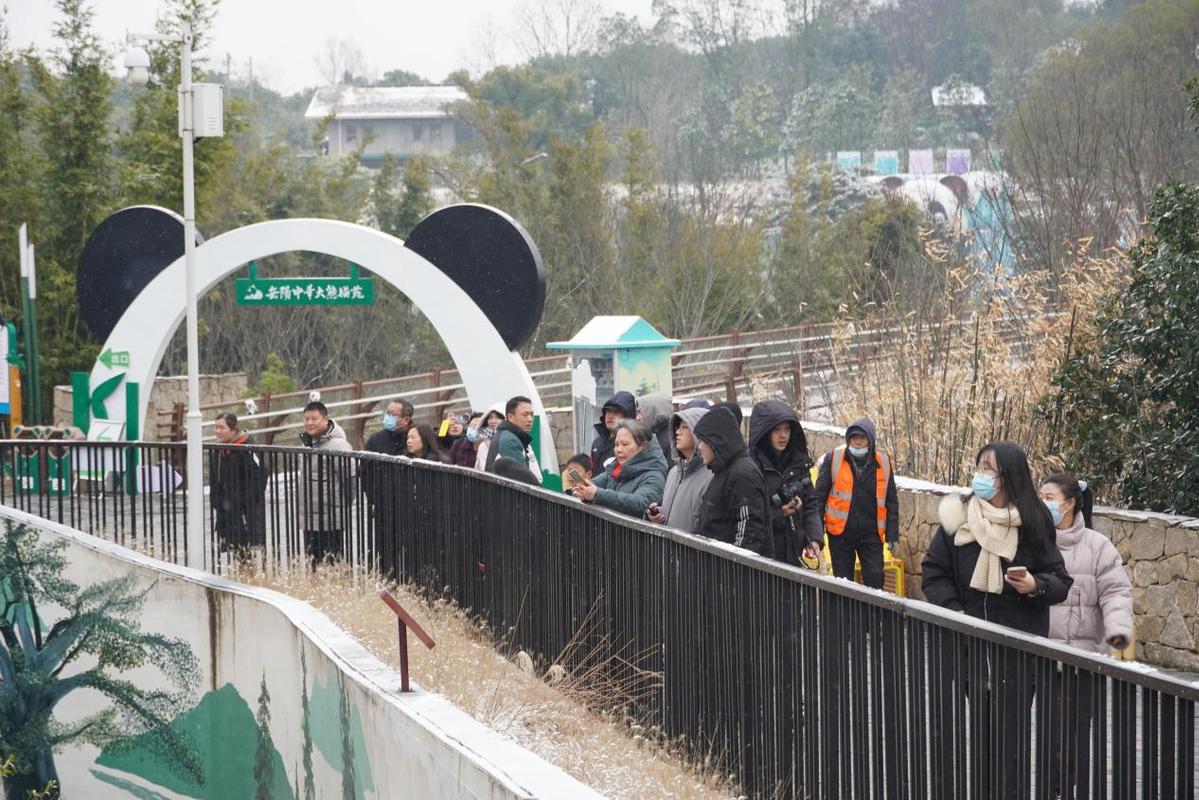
(801, 362)
(796, 684)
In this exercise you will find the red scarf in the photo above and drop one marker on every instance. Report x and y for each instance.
(616, 470)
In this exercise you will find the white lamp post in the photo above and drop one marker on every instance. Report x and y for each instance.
(198, 103)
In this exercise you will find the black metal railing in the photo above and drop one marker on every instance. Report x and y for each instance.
(797, 684)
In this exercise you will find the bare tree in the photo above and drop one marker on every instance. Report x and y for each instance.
(342, 61)
(556, 27)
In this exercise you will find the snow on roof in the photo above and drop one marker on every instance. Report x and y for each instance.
(383, 102)
(622, 332)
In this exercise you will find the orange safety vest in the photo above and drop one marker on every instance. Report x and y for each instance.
(840, 496)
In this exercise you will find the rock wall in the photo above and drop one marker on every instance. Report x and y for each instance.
(1160, 552)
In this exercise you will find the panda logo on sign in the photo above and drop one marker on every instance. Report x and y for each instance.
(472, 270)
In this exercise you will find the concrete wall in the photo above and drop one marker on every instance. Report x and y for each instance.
(1160, 551)
(168, 390)
(336, 716)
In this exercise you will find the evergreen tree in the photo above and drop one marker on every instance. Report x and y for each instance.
(264, 766)
(19, 163)
(73, 121)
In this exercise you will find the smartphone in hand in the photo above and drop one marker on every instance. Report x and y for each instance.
(1017, 572)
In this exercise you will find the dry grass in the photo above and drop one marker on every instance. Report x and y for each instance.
(604, 750)
(974, 363)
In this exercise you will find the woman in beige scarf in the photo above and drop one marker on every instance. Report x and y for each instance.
(994, 555)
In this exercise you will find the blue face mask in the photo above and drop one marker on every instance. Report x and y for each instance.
(1055, 510)
(860, 452)
(984, 486)
(473, 435)
(389, 422)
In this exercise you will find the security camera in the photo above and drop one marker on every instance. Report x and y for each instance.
(137, 65)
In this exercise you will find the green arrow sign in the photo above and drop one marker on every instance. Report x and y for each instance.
(117, 358)
(351, 291)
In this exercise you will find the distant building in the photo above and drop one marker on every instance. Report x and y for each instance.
(402, 120)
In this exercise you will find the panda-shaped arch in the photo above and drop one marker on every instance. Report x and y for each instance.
(490, 371)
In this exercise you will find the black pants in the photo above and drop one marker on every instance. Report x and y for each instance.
(869, 550)
(321, 544)
(1071, 724)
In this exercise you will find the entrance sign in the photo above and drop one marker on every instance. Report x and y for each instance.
(491, 370)
(351, 291)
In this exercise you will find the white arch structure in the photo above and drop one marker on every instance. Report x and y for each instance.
(491, 373)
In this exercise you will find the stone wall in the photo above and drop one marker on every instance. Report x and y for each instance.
(1160, 551)
(168, 390)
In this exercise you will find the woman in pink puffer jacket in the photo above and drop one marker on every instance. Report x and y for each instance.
(1097, 614)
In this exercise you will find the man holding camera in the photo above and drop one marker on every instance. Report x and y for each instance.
(856, 490)
(780, 447)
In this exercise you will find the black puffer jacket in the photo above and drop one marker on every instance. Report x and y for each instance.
(792, 467)
(735, 507)
(603, 449)
(946, 570)
(863, 508)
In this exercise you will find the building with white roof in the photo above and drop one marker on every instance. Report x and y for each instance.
(402, 120)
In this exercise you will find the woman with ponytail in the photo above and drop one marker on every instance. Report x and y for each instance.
(1097, 613)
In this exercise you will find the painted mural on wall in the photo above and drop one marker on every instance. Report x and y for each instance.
(94, 702)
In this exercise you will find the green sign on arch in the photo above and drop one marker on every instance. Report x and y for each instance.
(352, 291)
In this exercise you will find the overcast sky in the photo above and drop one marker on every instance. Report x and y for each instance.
(283, 37)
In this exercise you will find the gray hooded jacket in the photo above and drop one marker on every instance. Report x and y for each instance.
(683, 497)
(656, 414)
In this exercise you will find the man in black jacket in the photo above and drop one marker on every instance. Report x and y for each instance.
(735, 507)
(858, 526)
(238, 482)
(778, 444)
(621, 405)
(384, 501)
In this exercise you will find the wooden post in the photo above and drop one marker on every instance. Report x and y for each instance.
(357, 427)
(735, 366)
(404, 622)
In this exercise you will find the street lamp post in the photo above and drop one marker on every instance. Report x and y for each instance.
(137, 62)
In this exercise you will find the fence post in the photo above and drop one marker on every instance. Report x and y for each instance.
(735, 366)
(357, 428)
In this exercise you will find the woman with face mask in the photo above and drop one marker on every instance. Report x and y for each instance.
(993, 555)
(464, 450)
(1097, 614)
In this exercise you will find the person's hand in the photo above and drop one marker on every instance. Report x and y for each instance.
(812, 551)
(654, 514)
(585, 491)
(792, 506)
(1119, 642)
(1025, 584)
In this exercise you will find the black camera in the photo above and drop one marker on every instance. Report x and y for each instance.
(786, 493)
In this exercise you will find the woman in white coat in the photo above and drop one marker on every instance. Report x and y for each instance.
(1096, 615)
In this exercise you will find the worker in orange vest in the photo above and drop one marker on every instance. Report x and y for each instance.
(856, 489)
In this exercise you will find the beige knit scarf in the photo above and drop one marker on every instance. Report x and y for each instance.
(996, 530)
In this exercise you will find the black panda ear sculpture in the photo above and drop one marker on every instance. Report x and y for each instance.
(124, 253)
(492, 258)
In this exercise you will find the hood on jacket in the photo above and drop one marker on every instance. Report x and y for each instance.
(622, 401)
(733, 408)
(721, 431)
(691, 416)
(699, 402)
(655, 410)
(526, 439)
(334, 431)
(768, 415)
(864, 425)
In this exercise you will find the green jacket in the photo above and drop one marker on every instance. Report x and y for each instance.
(641, 482)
